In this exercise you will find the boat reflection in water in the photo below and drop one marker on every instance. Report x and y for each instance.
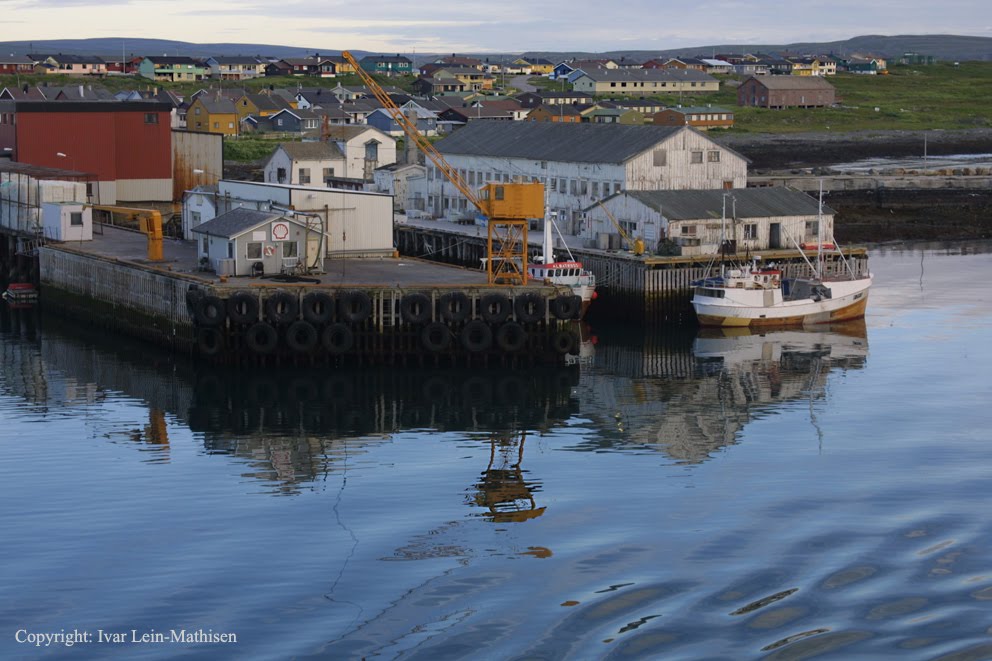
(690, 394)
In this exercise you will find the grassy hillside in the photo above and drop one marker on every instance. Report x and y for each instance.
(940, 96)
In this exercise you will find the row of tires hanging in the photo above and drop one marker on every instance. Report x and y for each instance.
(320, 320)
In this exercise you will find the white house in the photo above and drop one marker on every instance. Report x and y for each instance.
(579, 163)
(365, 148)
(305, 164)
(251, 242)
(696, 222)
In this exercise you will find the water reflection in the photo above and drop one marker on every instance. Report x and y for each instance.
(688, 395)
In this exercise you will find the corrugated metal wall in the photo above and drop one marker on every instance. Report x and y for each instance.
(195, 151)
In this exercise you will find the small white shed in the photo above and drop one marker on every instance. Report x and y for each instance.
(67, 221)
(251, 242)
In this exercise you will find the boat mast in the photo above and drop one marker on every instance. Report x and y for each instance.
(819, 235)
(546, 247)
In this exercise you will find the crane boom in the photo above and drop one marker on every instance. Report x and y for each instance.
(508, 206)
(412, 133)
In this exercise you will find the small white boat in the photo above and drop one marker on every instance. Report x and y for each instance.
(749, 295)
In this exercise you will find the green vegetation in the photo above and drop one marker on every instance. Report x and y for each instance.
(941, 96)
(251, 148)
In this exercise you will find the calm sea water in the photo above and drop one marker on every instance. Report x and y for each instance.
(786, 495)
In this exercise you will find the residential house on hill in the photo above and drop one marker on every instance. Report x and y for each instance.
(260, 105)
(305, 164)
(601, 114)
(702, 117)
(580, 163)
(786, 92)
(16, 64)
(426, 120)
(237, 67)
(558, 113)
(70, 65)
(386, 65)
(718, 66)
(460, 61)
(174, 69)
(646, 81)
(331, 66)
(534, 66)
(435, 85)
(213, 115)
(293, 120)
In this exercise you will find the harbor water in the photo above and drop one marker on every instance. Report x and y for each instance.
(671, 493)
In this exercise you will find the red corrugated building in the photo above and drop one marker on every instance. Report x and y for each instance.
(126, 145)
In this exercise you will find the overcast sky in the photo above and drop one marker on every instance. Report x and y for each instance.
(507, 25)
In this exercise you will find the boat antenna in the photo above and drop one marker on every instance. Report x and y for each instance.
(819, 235)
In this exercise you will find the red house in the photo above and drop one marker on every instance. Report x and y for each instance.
(16, 64)
(127, 145)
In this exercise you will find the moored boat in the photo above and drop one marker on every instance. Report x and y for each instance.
(567, 273)
(751, 295)
(20, 295)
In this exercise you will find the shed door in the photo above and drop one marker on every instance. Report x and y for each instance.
(313, 252)
(775, 235)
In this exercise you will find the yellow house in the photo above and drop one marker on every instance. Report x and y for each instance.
(260, 105)
(217, 115)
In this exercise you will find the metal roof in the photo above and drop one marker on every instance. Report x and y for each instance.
(742, 202)
(627, 75)
(312, 151)
(555, 141)
(235, 222)
(793, 82)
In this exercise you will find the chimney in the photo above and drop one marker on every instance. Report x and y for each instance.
(82, 92)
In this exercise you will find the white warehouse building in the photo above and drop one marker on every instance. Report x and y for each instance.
(579, 164)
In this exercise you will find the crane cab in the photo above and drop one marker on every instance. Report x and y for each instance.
(513, 201)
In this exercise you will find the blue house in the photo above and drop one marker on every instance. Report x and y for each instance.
(382, 120)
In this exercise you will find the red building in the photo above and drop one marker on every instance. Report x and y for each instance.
(126, 145)
(16, 64)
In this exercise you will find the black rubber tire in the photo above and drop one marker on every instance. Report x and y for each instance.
(301, 336)
(354, 306)
(435, 336)
(193, 295)
(455, 307)
(242, 308)
(566, 307)
(415, 308)
(564, 341)
(337, 338)
(209, 341)
(476, 336)
(282, 308)
(261, 338)
(210, 311)
(494, 308)
(318, 308)
(529, 307)
(511, 337)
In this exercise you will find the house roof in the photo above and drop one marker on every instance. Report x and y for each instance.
(217, 106)
(16, 59)
(748, 203)
(235, 59)
(312, 151)
(235, 222)
(386, 58)
(174, 59)
(267, 102)
(793, 82)
(67, 58)
(697, 110)
(349, 131)
(555, 141)
(299, 113)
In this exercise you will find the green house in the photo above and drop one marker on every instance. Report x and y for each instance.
(386, 65)
(177, 68)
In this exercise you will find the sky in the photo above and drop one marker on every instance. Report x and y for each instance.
(477, 27)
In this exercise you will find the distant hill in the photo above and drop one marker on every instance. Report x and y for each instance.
(942, 46)
(108, 46)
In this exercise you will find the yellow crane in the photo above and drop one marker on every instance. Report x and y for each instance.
(636, 246)
(507, 206)
(149, 222)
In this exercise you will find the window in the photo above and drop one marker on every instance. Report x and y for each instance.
(328, 174)
(196, 112)
(230, 249)
(281, 175)
(230, 125)
(595, 189)
(499, 192)
(812, 227)
(713, 156)
(660, 157)
(76, 218)
(751, 231)
(573, 186)
(616, 186)
(583, 187)
(216, 125)
(688, 230)
(254, 250)
(304, 175)
(279, 121)
(205, 249)
(697, 157)
(151, 118)
(290, 249)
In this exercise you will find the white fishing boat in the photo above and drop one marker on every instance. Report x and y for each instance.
(568, 273)
(754, 295)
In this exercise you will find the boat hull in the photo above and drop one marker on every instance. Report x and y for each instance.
(850, 305)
